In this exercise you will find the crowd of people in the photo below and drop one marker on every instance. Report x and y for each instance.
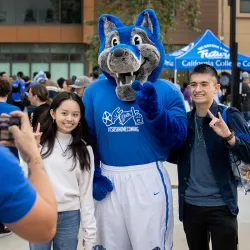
(54, 138)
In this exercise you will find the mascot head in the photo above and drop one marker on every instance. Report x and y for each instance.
(129, 53)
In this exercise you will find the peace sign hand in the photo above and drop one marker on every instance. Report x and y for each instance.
(218, 125)
(38, 134)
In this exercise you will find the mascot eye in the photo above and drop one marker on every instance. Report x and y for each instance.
(136, 40)
(114, 41)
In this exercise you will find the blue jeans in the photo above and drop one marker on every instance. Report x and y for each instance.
(66, 237)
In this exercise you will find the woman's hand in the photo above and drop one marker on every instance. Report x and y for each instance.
(38, 134)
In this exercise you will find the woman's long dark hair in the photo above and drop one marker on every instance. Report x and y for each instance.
(79, 135)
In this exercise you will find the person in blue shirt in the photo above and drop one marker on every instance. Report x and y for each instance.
(18, 87)
(5, 89)
(27, 207)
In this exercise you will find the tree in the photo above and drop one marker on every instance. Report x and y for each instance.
(127, 11)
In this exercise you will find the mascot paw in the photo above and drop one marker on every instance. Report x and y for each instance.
(102, 186)
(147, 99)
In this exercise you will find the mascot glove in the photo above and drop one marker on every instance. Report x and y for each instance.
(102, 186)
(147, 99)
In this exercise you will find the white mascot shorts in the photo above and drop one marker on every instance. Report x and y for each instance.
(138, 213)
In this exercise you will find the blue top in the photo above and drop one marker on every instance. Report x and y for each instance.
(7, 108)
(17, 196)
(123, 134)
(18, 86)
(202, 188)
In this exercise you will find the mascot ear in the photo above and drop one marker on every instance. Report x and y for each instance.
(107, 23)
(147, 18)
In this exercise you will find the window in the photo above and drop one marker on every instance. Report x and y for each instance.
(40, 57)
(71, 11)
(5, 67)
(62, 60)
(59, 70)
(40, 12)
(76, 57)
(24, 67)
(60, 57)
(4, 58)
(39, 48)
(20, 57)
(76, 69)
(36, 67)
(244, 6)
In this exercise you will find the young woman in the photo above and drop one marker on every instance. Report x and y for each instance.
(69, 163)
(39, 97)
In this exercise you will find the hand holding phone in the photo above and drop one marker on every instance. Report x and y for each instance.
(5, 123)
(23, 136)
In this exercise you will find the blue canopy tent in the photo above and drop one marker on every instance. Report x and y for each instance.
(207, 48)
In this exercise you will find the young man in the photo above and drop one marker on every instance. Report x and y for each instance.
(207, 187)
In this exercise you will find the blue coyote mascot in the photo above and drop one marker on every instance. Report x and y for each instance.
(135, 119)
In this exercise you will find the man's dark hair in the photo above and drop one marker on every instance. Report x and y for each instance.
(47, 73)
(26, 78)
(20, 74)
(60, 82)
(2, 73)
(205, 69)
(34, 74)
(185, 84)
(95, 68)
(95, 75)
(5, 87)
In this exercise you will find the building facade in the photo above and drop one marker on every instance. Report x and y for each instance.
(47, 35)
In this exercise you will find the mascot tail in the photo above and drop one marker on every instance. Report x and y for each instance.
(102, 185)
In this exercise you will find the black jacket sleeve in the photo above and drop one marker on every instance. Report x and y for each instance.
(238, 124)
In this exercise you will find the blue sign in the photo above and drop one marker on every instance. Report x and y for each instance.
(207, 48)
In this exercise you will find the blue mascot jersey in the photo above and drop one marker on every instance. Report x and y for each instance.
(124, 134)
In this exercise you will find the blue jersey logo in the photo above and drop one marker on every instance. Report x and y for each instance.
(120, 117)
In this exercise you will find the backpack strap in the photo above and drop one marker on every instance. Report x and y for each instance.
(224, 114)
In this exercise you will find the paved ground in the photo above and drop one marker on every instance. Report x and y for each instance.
(13, 242)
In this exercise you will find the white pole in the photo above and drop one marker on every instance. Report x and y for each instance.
(175, 76)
